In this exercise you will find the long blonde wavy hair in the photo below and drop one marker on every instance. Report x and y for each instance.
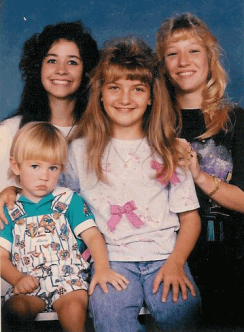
(215, 106)
(130, 58)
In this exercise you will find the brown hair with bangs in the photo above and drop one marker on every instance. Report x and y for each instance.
(215, 106)
(130, 58)
(39, 141)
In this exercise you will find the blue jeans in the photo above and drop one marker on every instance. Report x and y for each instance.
(117, 311)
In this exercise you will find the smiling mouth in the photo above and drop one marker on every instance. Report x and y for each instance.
(59, 82)
(124, 109)
(186, 73)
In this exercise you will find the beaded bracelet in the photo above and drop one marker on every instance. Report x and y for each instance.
(217, 182)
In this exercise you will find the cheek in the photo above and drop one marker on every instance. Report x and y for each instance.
(77, 74)
(43, 76)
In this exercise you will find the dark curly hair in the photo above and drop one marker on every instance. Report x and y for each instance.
(34, 105)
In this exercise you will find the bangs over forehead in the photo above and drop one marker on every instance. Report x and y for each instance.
(183, 34)
(115, 72)
(39, 141)
(43, 150)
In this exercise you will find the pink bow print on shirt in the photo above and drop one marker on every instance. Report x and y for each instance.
(159, 168)
(117, 212)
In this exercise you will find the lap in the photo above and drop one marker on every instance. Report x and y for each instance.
(127, 303)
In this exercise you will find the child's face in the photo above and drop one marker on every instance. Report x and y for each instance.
(62, 69)
(37, 178)
(125, 102)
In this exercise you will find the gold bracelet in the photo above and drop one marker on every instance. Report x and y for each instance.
(217, 182)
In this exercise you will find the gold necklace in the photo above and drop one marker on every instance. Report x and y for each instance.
(132, 155)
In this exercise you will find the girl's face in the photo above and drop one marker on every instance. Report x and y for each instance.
(125, 101)
(62, 70)
(187, 65)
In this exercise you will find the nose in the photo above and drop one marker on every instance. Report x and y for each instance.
(125, 97)
(44, 174)
(184, 59)
(61, 68)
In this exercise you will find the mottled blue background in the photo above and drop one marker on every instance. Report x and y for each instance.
(19, 19)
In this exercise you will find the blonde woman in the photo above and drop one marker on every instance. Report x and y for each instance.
(189, 56)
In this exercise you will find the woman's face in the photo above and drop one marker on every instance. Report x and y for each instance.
(62, 70)
(186, 62)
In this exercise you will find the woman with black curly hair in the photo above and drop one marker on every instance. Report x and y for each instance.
(55, 67)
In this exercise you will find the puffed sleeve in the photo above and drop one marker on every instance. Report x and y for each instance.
(5, 145)
(182, 195)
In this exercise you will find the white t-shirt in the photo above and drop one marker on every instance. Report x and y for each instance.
(136, 213)
(8, 128)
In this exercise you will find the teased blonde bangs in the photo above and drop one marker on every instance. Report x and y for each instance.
(39, 141)
(113, 73)
(184, 34)
(181, 34)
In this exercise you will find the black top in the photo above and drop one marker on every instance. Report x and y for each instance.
(221, 155)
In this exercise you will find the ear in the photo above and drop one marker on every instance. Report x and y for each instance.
(14, 166)
(149, 103)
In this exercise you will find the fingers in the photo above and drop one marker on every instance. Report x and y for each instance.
(191, 155)
(190, 287)
(156, 283)
(9, 201)
(166, 288)
(3, 219)
(26, 285)
(117, 280)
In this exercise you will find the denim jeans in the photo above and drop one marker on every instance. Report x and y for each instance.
(117, 311)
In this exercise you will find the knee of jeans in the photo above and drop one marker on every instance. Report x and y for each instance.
(184, 313)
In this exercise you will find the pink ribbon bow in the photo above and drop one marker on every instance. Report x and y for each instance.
(117, 212)
(161, 174)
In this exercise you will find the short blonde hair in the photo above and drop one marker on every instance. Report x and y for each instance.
(40, 141)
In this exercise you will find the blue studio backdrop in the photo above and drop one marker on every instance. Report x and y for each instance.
(19, 20)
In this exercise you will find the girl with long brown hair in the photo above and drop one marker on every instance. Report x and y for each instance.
(124, 164)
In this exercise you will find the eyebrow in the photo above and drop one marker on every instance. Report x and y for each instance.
(69, 56)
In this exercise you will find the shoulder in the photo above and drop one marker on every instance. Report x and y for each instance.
(79, 143)
(77, 148)
(11, 125)
(236, 115)
(8, 128)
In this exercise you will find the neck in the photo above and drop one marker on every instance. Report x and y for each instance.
(62, 112)
(189, 100)
(127, 133)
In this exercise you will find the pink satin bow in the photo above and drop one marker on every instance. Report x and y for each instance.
(161, 174)
(117, 212)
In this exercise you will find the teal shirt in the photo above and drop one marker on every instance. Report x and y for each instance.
(77, 213)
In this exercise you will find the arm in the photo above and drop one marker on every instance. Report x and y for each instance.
(7, 196)
(228, 195)
(172, 272)
(22, 284)
(103, 273)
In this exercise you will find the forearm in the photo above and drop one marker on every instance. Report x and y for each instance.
(190, 227)
(228, 196)
(97, 247)
(9, 272)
